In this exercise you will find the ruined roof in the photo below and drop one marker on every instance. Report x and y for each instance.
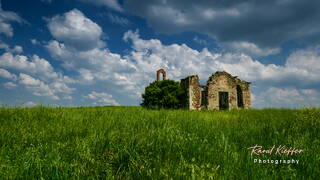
(218, 73)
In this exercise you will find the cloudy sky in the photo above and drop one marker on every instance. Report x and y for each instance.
(104, 52)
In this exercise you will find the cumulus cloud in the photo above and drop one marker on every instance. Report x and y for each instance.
(102, 98)
(36, 74)
(41, 88)
(47, 83)
(86, 74)
(34, 41)
(15, 49)
(249, 48)
(5, 18)
(9, 85)
(33, 65)
(6, 74)
(308, 59)
(76, 30)
(61, 87)
(36, 86)
(112, 4)
(265, 24)
(98, 65)
(288, 97)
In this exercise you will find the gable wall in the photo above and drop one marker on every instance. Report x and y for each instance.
(221, 82)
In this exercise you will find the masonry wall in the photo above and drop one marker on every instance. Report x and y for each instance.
(204, 97)
(193, 92)
(221, 82)
(245, 86)
(207, 97)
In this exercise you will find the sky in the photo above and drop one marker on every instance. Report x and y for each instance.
(105, 52)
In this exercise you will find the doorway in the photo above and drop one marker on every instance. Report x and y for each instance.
(223, 100)
(239, 97)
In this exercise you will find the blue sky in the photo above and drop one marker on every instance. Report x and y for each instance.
(104, 52)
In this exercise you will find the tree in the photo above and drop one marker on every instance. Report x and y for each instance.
(163, 94)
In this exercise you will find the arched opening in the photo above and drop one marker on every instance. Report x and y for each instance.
(163, 72)
(239, 96)
(223, 100)
(204, 95)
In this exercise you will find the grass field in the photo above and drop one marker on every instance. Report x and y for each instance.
(134, 143)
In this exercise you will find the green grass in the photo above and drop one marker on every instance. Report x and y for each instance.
(134, 143)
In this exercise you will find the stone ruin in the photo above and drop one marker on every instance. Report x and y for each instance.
(222, 92)
(163, 72)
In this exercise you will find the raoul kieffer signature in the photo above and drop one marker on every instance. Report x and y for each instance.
(280, 150)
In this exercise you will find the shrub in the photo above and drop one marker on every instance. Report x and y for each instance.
(165, 94)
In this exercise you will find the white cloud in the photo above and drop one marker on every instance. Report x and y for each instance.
(4, 46)
(249, 48)
(6, 74)
(6, 28)
(98, 59)
(98, 64)
(9, 85)
(119, 20)
(37, 87)
(287, 97)
(15, 49)
(41, 88)
(200, 41)
(45, 81)
(113, 4)
(57, 49)
(34, 65)
(5, 18)
(37, 75)
(102, 98)
(29, 104)
(34, 42)
(86, 74)
(61, 87)
(308, 59)
(76, 30)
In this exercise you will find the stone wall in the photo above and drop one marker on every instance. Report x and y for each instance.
(204, 97)
(245, 86)
(193, 92)
(219, 82)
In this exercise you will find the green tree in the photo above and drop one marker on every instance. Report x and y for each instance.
(165, 94)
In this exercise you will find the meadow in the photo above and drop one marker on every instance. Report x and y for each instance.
(135, 143)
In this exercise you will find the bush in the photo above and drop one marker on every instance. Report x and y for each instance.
(165, 94)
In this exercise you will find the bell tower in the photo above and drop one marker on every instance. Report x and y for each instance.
(163, 72)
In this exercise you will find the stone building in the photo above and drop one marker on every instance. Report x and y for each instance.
(223, 91)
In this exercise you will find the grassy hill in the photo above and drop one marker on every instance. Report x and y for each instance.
(134, 143)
